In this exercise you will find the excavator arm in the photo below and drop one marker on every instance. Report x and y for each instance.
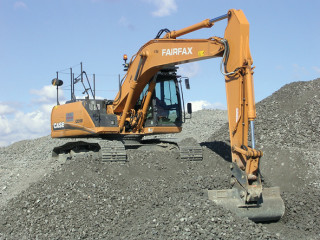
(237, 68)
(234, 48)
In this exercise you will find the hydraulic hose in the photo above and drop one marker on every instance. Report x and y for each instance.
(225, 59)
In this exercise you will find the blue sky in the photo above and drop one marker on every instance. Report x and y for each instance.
(39, 37)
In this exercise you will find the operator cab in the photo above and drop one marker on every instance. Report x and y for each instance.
(165, 106)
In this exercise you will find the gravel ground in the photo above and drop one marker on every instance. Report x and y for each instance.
(23, 163)
(156, 195)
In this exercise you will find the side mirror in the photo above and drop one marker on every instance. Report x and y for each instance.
(186, 81)
(189, 108)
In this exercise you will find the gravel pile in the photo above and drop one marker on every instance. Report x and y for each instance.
(290, 120)
(203, 123)
(23, 163)
(288, 129)
(148, 198)
(291, 116)
(156, 195)
(200, 125)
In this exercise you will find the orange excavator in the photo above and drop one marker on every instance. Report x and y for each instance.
(149, 103)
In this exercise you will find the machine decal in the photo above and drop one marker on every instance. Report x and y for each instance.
(200, 53)
(69, 117)
(58, 126)
(237, 114)
(176, 51)
(79, 120)
(71, 126)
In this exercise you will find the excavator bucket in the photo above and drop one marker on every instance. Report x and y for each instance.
(270, 207)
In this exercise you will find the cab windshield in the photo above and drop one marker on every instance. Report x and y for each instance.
(165, 107)
(166, 102)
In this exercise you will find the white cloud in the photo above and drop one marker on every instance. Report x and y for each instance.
(47, 108)
(16, 125)
(20, 4)
(33, 122)
(48, 94)
(164, 7)
(202, 104)
(6, 109)
(5, 127)
(23, 126)
(189, 70)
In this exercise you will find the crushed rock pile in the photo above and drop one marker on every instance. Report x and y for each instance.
(289, 121)
(24, 163)
(151, 197)
(290, 117)
(156, 195)
(202, 124)
(288, 130)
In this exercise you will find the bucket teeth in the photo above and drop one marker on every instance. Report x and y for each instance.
(270, 206)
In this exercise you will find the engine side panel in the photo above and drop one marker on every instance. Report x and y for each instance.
(76, 119)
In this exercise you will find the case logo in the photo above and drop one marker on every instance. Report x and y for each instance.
(59, 125)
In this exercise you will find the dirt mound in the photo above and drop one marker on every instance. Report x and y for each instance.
(151, 197)
(291, 116)
(288, 130)
(23, 163)
(202, 124)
